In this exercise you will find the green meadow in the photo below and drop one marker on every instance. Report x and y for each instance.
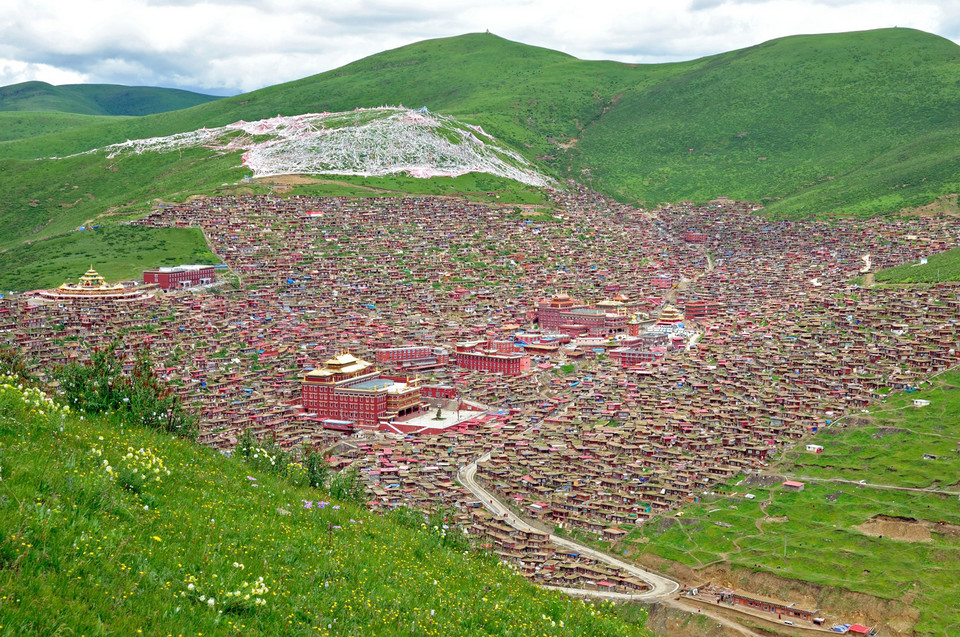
(107, 528)
(943, 266)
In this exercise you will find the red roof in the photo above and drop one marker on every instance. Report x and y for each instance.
(857, 628)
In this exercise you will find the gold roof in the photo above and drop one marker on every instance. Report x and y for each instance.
(93, 282)
(670, 314)
(343, 363)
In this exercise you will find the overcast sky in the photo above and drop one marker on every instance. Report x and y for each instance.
(225, 47)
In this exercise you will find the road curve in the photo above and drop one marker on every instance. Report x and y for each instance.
(660, 586)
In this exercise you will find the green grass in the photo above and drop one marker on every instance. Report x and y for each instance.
(96, 99)
(23, 124)
(889, 447)
(80, 554)
(861, 115)
(117, 253)
(45, 198)
(943, 266)
(822, 545)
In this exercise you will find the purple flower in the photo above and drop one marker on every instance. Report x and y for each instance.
(251, 478)
(307, 504)
(322, 504)
(336, 507)
(336, 526)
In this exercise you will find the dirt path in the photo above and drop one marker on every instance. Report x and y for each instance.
(686, 604)
(663, 590)
(872, 485)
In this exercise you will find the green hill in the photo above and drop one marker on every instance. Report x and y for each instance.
(97, 99)
(107, 528)
(860, 123)
(853, 123)
(23, 124)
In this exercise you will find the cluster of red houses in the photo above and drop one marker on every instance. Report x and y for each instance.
(588, 428)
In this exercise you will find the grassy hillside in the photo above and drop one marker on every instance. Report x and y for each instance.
(855, 123)
(944, 266)
(23, 124)
(888, 543)
(117, 252)
(111, 529)
(852, 123)
(97, 99)
(40, 199)
(522, 94)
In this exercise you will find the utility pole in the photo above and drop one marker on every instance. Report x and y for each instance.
(784, 547)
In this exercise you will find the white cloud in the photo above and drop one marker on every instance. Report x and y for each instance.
(242, 45)
(16, 71)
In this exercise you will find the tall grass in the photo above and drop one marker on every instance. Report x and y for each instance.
(217, 547)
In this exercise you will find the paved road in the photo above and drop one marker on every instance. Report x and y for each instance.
(660, 586)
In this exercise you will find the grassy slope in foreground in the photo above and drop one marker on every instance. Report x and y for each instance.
(97, 99)
(80, 554)
(822, 542)
(117, 253)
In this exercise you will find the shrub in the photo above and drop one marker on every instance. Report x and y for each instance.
(100, 386)
(347, 486)
(316, 467)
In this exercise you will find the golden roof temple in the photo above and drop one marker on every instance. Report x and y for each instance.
(670, 315)
(341, 367)
(92, 286)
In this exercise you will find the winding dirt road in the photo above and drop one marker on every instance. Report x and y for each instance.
(662, 589)
(659, 586)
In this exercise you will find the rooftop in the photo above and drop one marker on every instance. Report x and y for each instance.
(373, 384)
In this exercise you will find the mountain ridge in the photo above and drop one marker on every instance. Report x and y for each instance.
(96, 99)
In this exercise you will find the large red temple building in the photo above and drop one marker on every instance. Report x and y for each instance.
(562, 314)
(413, 356)
(350, 389)
(480, 356)
(696, 310)
(181, 276)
